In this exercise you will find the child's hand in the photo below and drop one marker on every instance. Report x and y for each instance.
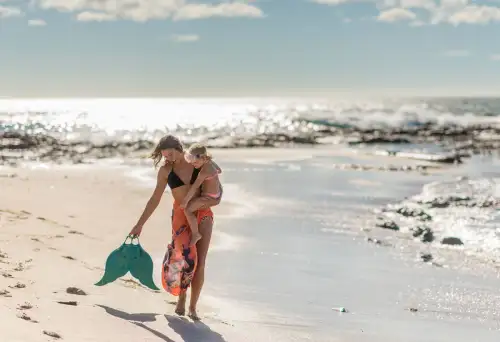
(183, 205)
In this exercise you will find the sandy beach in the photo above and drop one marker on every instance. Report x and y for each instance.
(56, 229)
(264, 283)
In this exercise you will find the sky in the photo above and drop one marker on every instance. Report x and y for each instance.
(184, 48)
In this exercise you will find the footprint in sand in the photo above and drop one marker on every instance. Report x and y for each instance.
(19, 267)
(7, 275)
(13, 216)
(18, 286)
(25, 306)
(5, 293)
(52, 334)
(52, 222)
(69, 257)
(24, 316)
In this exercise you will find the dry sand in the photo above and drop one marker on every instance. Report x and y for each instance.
(56, 229)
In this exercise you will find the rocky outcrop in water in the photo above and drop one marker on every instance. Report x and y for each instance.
(20, 146)
(460, 201)
(387, 224)
(452, 241)
(424, 233)
(386, 168)
(459, 142)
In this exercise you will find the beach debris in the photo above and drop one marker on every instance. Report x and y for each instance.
(387, 224)
(52, 334)
(413, 309)
(18, 286)
(426, 257)
(340, 309)
(76, 291)
(453, 241)
(75, 232)
(71, 303)
(378, 242)
(69, 257)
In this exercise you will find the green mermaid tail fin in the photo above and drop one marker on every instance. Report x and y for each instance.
(141, 266)
(129, 257)
(116, 265)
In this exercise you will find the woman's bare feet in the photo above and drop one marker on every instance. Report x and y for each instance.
(193, 314)
(180, 308)
(194, 238)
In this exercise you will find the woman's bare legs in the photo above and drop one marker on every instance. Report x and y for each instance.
(180, 308)
(206, 226)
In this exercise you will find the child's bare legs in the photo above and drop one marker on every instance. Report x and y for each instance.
(193, 224)
(191, 214)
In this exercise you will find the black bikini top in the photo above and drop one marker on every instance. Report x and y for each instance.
(174, 181)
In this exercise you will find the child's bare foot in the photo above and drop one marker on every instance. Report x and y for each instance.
(194, 238)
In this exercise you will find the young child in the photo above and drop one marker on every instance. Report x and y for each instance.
(208, 177)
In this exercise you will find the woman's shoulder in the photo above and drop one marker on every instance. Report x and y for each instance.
(165, 169)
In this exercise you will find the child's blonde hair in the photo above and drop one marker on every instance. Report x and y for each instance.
(199, 151)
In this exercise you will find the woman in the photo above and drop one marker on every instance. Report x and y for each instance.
(183, 265)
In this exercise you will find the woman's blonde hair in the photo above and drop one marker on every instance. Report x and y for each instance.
(199, 151)
(167, 142)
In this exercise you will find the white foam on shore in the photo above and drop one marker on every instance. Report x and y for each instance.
(476, 226)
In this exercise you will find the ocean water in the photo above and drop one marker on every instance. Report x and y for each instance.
(298, 121)
(200, 119)
(296, 250)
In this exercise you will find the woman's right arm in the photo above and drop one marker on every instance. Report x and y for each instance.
(154, 200)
